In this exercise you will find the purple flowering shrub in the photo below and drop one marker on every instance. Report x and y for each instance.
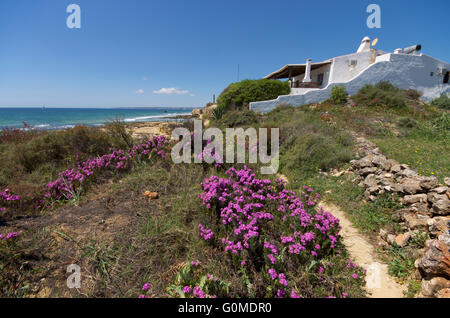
(8, 236)
(7, 199)
(70, 181)
(191, 282)
(268, 229)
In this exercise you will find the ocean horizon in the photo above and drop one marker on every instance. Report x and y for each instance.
(61, 118)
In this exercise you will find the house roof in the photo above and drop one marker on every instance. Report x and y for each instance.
(294, 70)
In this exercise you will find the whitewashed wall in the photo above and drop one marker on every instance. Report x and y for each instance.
(403, 71)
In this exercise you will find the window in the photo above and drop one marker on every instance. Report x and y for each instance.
(431, 73)
(446, 77)
(353, 62)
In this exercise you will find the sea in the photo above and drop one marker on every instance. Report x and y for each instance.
(61, 118)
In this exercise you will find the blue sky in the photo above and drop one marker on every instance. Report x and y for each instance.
(126, 51)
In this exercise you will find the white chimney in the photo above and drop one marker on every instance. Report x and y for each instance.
(307, 78)
(398, 51)
(365, 45)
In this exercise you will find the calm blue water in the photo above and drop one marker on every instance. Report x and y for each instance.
(57, 118)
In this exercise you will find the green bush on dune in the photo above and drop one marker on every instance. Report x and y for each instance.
(240, 95)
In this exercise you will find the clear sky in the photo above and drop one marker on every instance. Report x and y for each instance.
(133, 53)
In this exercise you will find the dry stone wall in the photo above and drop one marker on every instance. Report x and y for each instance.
(426, 209)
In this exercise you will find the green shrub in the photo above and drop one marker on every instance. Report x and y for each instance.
(339, 95)
(441, 102)
(442, 123)
(318, 151)
(406, 122)
(383, 94)
(308, 144)
(238, 119)
(219, 111)
(387, 86)
(239, 95)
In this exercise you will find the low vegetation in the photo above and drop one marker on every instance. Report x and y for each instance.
(338, 95)
(210, 230)
(442, 102)
(237, 96)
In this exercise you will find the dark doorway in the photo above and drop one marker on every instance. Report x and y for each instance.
(446, 77)
(320, 79)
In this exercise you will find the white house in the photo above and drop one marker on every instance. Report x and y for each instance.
(405, 68)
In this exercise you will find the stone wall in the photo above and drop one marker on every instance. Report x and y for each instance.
(426, 209)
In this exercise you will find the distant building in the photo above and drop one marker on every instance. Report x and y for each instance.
(405, 69)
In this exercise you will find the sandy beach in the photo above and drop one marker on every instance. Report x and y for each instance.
(149, 129)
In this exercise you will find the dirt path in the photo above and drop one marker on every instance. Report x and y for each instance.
(379, 284)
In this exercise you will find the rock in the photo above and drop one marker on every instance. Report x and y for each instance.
(388, 188)
(197, 112)
(362, 163)
(443, 293)
(411, 186)
(338, 173)
(396, 168)
(402, 239)
(390, 239)
(376, 151)
(421, 208)
(366, 171)
(433, 197)
(442, 207)
(151, 195)
(380, 161)
(407, 173)
(440, 190)
(417, 222)
(431, 287)
(428, 183)
(383, 234)
(400, 215)
(396, 187)
(436, 261)
(391, 163)
(373, 189)
(208, 111)
(438, 225)
(445, 238)
(410, 199)
(447, 181)
(384, 182)
(370, 181)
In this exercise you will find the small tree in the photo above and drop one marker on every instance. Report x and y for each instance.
(339, 95)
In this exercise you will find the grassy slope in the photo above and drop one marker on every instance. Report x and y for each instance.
(415, 134)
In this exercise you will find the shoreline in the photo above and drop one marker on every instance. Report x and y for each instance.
(42, 123)
(151, 128)
(138, 130)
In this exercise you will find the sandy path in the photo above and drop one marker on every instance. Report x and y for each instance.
(379, 284)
